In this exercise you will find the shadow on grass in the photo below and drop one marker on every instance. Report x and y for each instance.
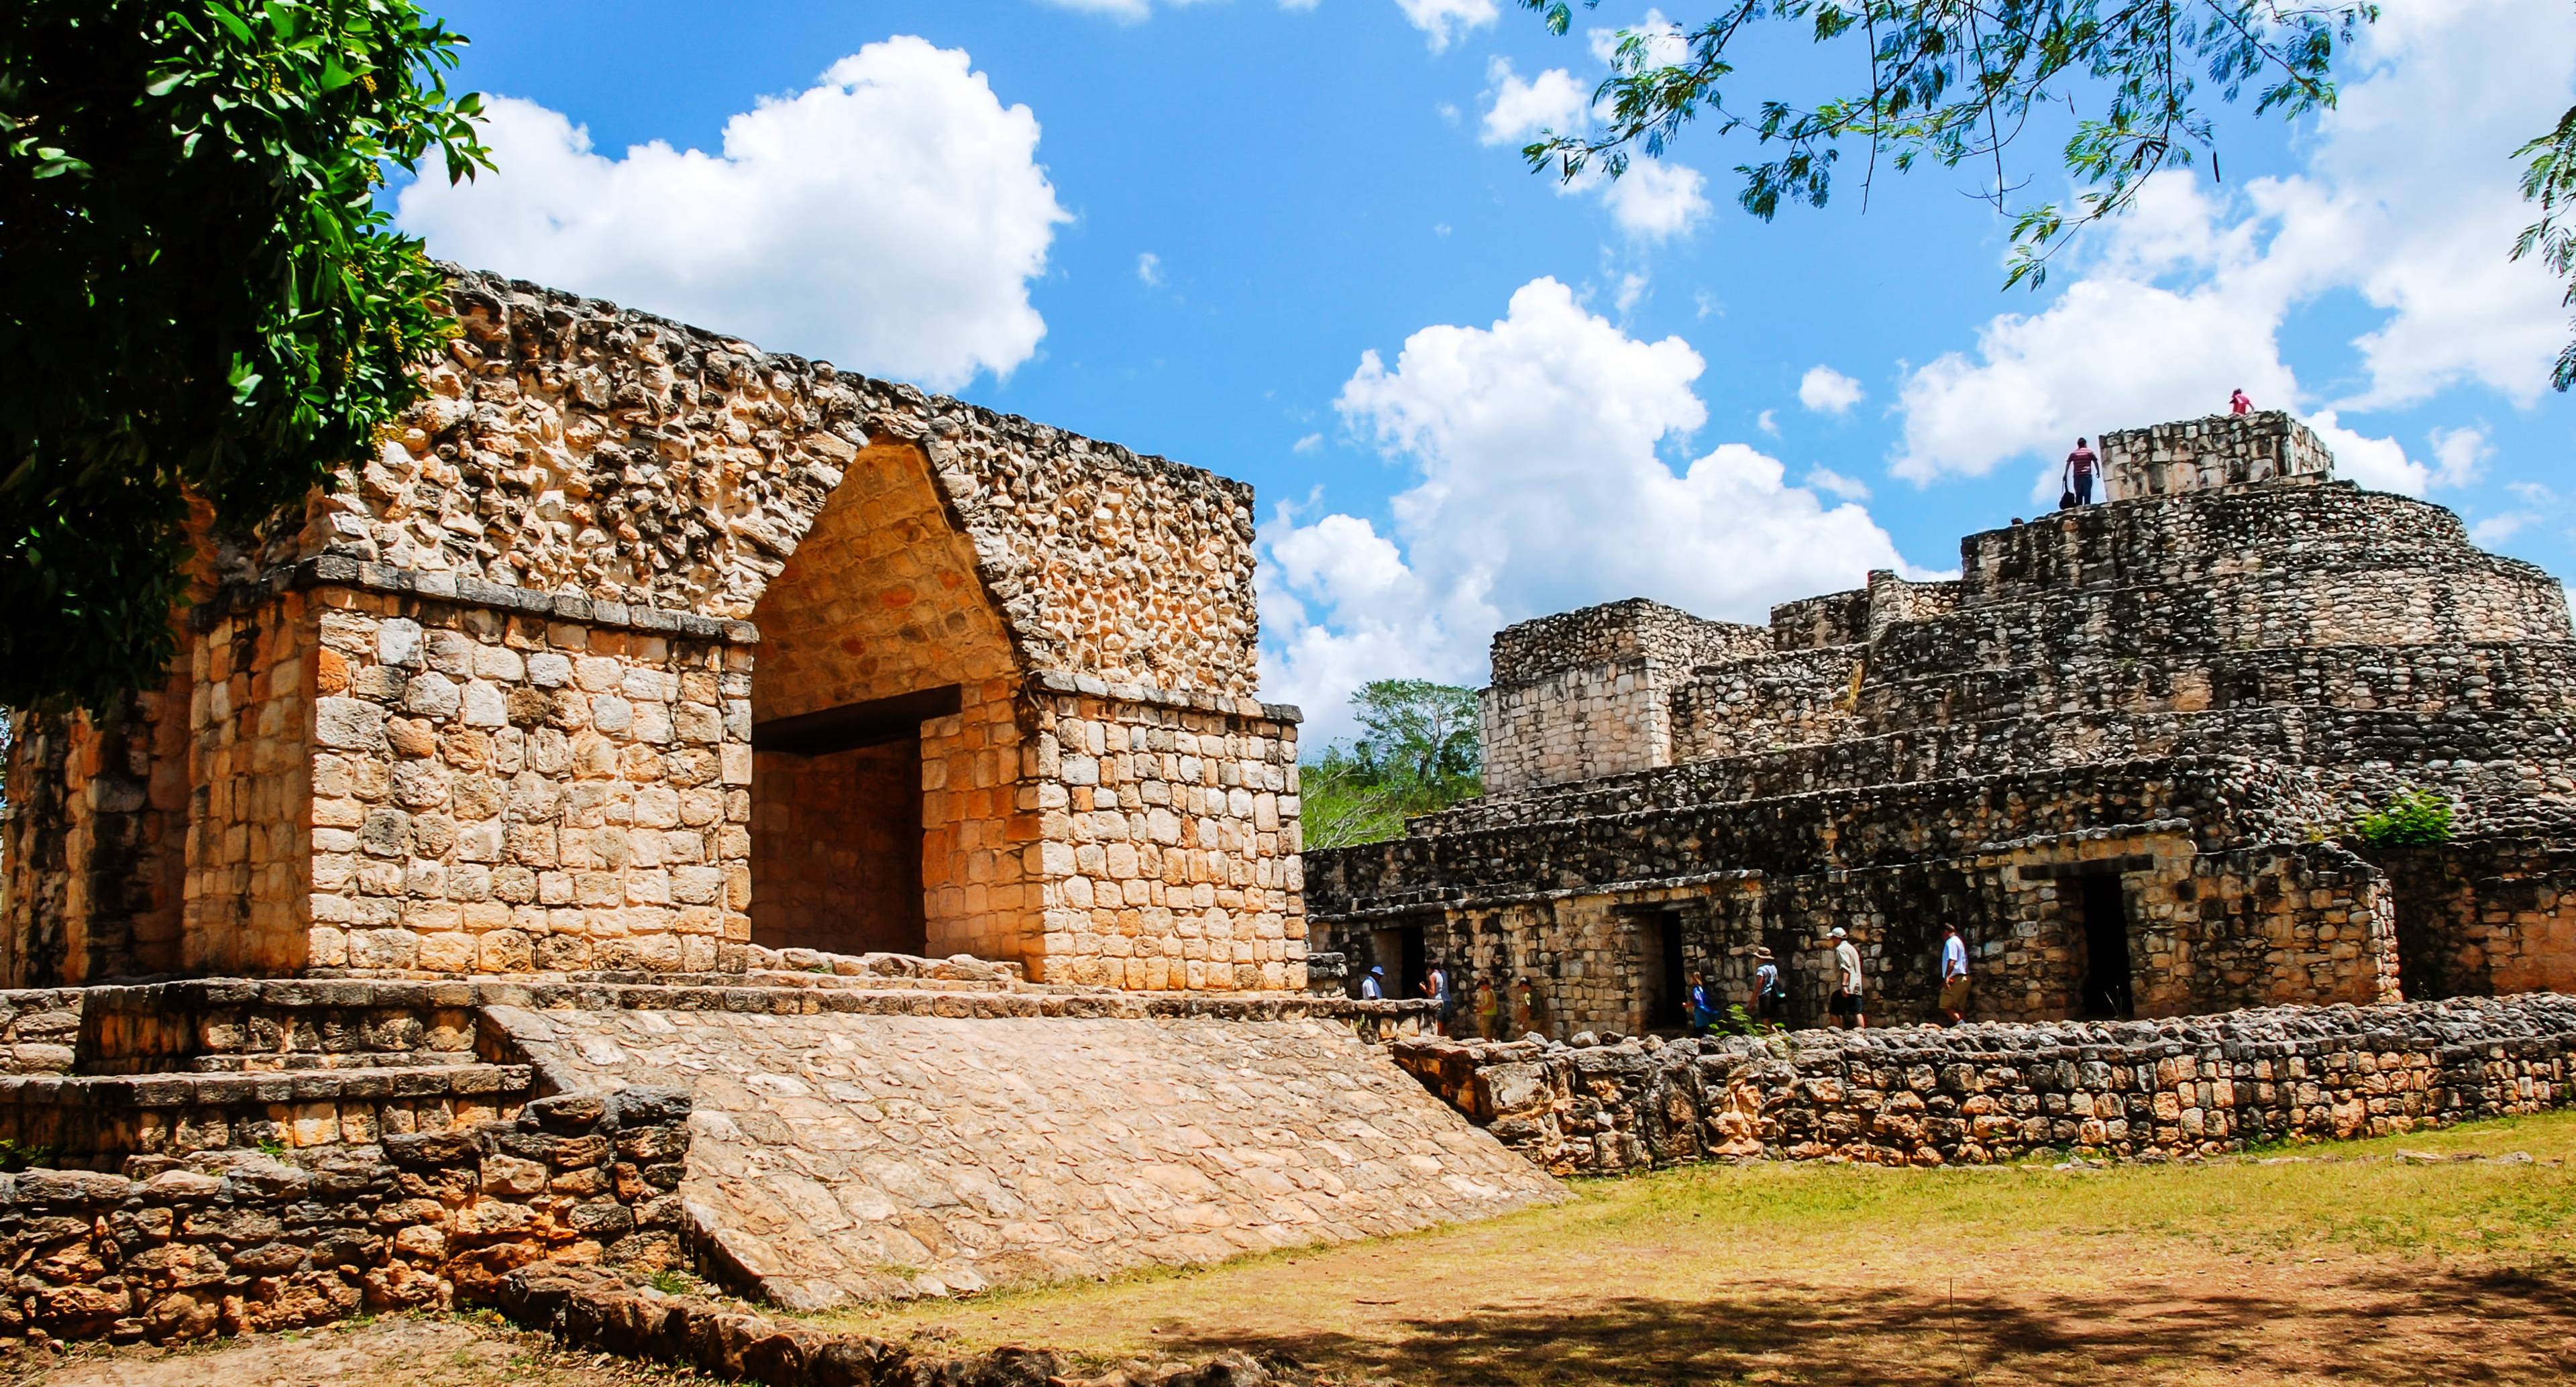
(2439, 1326)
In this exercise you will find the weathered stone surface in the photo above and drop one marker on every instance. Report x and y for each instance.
(1991, 1092)
(846, 1156)
(2172, 706)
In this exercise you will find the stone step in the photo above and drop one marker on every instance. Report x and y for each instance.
(849, 1156)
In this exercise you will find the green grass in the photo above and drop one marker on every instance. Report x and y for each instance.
(2323, 1261)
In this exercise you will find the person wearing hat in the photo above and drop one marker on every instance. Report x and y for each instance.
(1769, 996)
(1847, 982)
(1373, 987)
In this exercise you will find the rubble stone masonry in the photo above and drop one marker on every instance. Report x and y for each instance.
(501, 699)
(1982, 1093)
(2125, 753)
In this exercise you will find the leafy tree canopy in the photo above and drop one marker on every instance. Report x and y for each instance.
(1957, 82)
(199, 297)
(1417, 752)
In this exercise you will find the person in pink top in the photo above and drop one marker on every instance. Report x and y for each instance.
(2079, 473)
(2238, 403)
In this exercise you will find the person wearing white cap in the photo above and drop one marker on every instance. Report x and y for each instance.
(1847, 982)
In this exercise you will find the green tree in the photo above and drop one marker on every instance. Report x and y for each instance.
(1957, 82)
(2549, 180)
(1417, 752)
(199, 297)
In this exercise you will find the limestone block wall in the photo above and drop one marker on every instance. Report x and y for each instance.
(2204, 932)
(250, 865)
(570, 446)
(2213, 451)
(499, 790)
(1585, 693)
(1999, 1092)
(2484, 917)
(1577, 724)
(1163, 838)
(1789, 698)
(96, 842)
(980, 823)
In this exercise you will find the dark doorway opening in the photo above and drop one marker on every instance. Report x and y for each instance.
(1659, 936)
(2104, 909)
(836, 844)
(1400, 951)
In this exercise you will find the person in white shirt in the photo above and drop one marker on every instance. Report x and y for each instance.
(1847, 982)
(1954, 975)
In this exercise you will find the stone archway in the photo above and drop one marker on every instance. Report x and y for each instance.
(884, 745)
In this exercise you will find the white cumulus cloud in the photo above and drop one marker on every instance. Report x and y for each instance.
(2184, 298)
(1652, 201)
(1446, 21)
(1538, 484)
(1518, 108)
(890, 218)
(1824, 390)
(1149, 268)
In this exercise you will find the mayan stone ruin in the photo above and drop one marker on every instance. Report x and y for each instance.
(2123, 752)
(681, 808)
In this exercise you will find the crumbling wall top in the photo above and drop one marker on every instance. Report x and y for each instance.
(1633, 629)
(571, 446)
(2213, 451)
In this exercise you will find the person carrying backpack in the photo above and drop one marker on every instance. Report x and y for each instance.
(2080, 466)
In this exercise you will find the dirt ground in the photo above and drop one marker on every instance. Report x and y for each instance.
(454, 1351)
(2356, 1263)
(2328, 1264)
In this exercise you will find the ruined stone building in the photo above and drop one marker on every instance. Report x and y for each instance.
(2124, 751)
(637, 645)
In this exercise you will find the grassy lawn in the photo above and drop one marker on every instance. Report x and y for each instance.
(2339, 1264)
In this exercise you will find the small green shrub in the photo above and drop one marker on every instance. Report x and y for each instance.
(2410, 818)
(16, 1155)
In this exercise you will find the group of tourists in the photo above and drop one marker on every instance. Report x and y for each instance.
(1524, 1012)
(2082, 464)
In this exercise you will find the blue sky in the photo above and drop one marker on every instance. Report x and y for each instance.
(1296, 244)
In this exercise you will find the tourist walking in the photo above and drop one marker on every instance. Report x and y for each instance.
(2240, 403)
(1529, 1016)
(1703, 1011)
(1489, 1011)
(1954, 975)
(1770, 998)
(1848, 1008)
(2080, 466)
(1373, 987)
(1435, 985)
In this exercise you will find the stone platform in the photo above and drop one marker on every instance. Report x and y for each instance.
(850, 1155)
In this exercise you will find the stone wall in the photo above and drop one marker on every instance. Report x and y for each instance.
(1586, 693)
(2213, 451)
(2484, 917)
(170, 1249)
(1983, 1093)
(489, 704)
(1164, 834)
(573, 446)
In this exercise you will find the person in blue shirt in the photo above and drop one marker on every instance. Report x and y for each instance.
(1373, 987)
(1703, 1010)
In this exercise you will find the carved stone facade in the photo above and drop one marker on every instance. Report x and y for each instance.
(629, 617)
(2124, 751)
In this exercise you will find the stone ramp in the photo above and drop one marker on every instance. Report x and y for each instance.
(852, 1156)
